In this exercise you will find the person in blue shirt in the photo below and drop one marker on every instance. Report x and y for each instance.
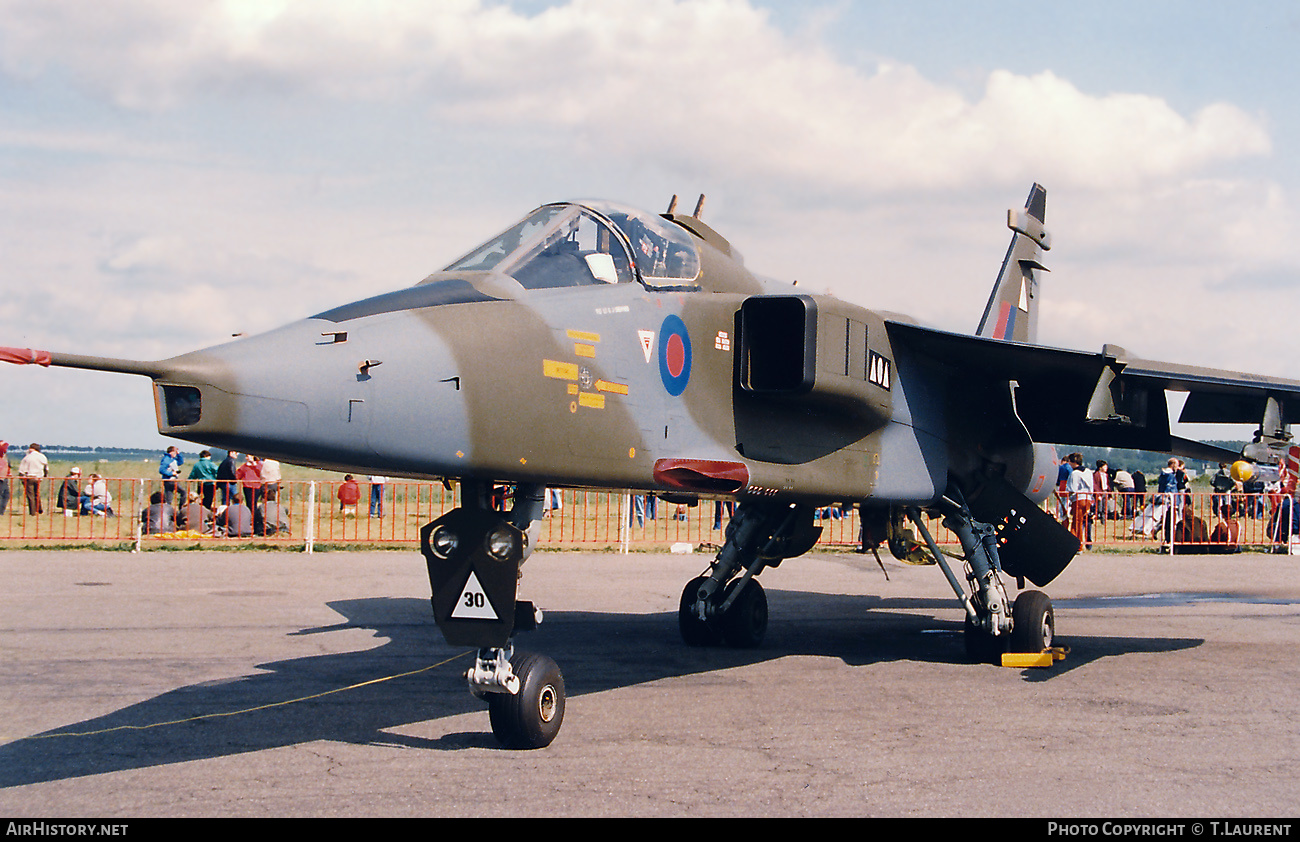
(1062, 480)
(169, 468)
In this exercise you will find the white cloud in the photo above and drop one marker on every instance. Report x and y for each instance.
(706, 87)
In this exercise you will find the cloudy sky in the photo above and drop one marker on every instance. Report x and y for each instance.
(173, 173)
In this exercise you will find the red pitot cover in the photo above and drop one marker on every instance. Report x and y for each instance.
(24, 356)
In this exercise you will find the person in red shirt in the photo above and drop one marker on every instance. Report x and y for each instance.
(250, 476)
(349, 494)
(1101, 490)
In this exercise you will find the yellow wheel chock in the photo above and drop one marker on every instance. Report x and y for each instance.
(1035, 659)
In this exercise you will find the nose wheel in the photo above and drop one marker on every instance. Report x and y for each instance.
(530, 718)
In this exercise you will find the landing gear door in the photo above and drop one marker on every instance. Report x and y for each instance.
(473, 557)
(1030, 542)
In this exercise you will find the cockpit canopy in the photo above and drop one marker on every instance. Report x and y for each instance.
(576, 244)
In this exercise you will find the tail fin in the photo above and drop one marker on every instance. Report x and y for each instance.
(1012, 311)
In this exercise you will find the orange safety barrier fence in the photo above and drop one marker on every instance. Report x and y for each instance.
(117, 510)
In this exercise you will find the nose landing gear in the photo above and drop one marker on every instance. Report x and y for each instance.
(474, 554)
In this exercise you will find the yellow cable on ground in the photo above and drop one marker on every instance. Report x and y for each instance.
(245, 710)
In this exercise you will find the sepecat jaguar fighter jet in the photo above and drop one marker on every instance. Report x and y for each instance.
(592, 345)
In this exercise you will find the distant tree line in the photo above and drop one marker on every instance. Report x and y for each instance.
(56, 451)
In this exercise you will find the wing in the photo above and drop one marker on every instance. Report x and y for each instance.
(1110, 399)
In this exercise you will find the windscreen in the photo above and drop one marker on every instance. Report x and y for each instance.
(574, 245)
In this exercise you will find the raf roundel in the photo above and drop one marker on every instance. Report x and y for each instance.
(674, 355)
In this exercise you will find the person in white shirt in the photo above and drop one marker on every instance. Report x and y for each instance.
(34, 468)
(95, 498)
(1080, 491)
(270, 470)
(1124, 485)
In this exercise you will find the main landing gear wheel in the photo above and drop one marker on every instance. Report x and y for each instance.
(1034, 622)
(982, 647)
(695, 632)
(727, 603)
(745, 623)
(530, 718)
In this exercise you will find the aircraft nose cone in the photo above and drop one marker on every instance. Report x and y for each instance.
(383, 396)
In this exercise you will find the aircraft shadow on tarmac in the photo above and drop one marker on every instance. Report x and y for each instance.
(596, 652)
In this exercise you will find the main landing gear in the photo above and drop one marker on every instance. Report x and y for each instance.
(726, 603)
(993, 625)
(474, 554)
